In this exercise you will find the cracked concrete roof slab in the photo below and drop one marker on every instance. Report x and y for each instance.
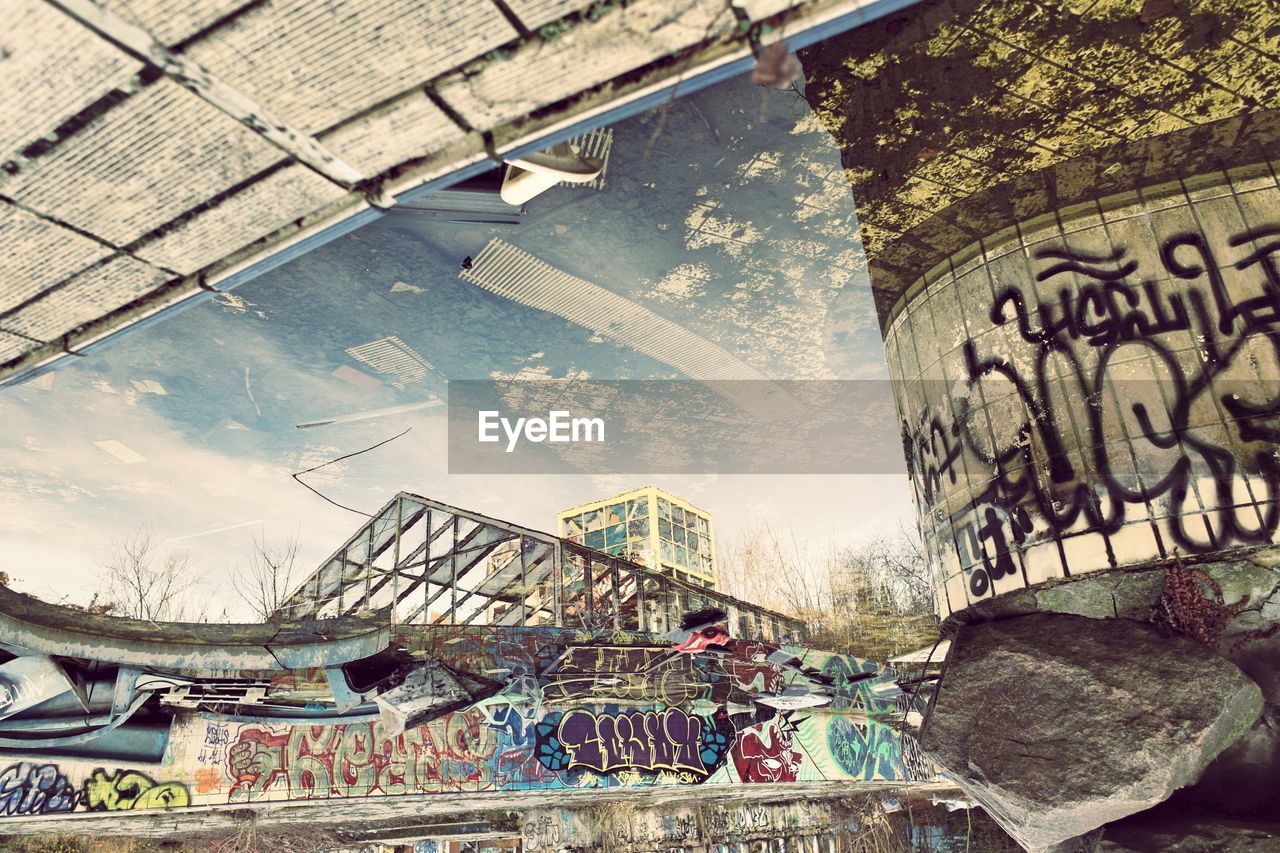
(150, 149)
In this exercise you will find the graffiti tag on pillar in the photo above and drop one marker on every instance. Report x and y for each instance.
(1121, 382)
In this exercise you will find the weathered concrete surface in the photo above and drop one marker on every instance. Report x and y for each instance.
(1135, 594)
(766, 810)
(1058, 724)
(29, 623)
(958, 117)
(150, 151)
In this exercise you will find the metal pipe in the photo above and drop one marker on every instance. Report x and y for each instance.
(66, 721)
(325, 720)
(71, 740)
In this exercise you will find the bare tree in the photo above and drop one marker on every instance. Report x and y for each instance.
(781, 573)
(895, 564)
(873, 600)
(882, 599)
(269, 578)
(743, 567)
(144, 583)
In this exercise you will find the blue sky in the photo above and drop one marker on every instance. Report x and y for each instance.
(734, 221)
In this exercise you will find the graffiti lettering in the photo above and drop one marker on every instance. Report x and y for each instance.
(128, 789)
(453, 752)
(542, 833)
(672, 682)
(35, 789)
(214, 748)
(649, 740)
(1125, 390)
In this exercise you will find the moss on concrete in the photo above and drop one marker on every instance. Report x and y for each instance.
(951, 99)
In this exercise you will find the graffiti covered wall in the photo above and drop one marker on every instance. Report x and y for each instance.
(1096, 389)
(49, 788)
(574, 711)
(521, 741)
(464, 753)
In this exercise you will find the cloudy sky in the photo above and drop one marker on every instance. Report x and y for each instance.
(732, 220)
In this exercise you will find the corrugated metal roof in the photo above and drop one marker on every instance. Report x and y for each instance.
(150, 149)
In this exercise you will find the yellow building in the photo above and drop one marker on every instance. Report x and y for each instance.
(651, 527)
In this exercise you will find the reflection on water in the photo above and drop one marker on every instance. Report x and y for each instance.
(736, 228)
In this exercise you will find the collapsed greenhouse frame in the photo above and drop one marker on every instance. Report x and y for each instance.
(426, 561)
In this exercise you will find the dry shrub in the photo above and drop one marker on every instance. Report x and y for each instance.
(246, 837)
(249, 837)
(77, 844)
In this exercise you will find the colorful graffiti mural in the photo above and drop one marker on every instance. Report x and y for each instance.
(575, 711)
(636, 744)
(765, 753)
(35, 789)
(27, 788)
(453, 753)
(128, 789)
(525, 738)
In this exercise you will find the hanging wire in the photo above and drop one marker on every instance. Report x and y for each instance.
(298, 475)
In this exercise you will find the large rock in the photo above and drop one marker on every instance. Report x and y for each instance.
(1058, 724)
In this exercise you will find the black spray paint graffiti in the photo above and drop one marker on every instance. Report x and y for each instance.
(1099, 434)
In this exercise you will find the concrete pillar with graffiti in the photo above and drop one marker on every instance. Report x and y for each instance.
(1072, 222)
(1096, 389)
